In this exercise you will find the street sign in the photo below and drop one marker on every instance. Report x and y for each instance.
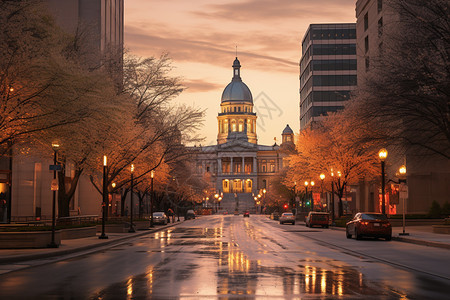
(55, 167)
(54, 186)
(403, 191)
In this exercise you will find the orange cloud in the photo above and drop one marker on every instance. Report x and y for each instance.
(215, 47)
(200, 86)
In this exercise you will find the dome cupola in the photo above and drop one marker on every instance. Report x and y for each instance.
(236, 90)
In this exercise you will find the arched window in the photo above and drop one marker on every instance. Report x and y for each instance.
(241, 126)
(225, 129)
(233, 125)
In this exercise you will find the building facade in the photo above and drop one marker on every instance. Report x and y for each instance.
(237, 166)
(99, 22)
(25, 179)
(427, 177)
(327, 70)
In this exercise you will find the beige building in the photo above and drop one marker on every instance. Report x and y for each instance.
(428, 177)
(238, 167)
(25, 179)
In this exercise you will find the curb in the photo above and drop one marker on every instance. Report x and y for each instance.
(26, 257)
(410, 240)
(421, 242)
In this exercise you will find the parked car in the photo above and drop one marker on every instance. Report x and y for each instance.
(160, 217)
(190, 214)
(275, 216)
(369, 224)
(315, 218)
(287, 218)
(247, 214)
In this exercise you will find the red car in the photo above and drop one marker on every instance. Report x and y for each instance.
(315, 218)
(247, 214)
(369, 224)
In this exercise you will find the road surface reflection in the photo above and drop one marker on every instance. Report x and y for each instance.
(206, 262)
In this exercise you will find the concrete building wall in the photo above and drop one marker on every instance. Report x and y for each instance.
(428, 177)
(102, 21)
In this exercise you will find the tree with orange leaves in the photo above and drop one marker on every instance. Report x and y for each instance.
(331, 147)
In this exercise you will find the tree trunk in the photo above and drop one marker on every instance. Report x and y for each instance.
(122, 201)
(64, 197)
(141, 198)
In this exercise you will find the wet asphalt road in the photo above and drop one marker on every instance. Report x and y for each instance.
(231, 257)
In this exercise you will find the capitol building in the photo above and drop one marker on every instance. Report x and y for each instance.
(238, 167)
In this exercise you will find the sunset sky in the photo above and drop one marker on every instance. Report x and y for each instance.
(201, 38)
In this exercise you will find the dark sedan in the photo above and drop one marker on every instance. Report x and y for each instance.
(369, 224)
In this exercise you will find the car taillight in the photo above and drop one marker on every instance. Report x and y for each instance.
(386, 225)
(364, 223)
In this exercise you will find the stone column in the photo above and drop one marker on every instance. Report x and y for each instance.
(255, 166)
(243, 165)
(219, 166)
(231, 165)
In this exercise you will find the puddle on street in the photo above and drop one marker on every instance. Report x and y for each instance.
(208, 266)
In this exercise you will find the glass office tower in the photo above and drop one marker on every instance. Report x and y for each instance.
(327, 70)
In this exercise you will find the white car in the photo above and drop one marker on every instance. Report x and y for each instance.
(159, 217)
(287, 218)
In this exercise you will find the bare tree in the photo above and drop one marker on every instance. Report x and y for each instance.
(406, 94)
(35, 78)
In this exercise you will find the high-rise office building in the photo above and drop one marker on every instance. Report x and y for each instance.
(327, 70)
(98, 22)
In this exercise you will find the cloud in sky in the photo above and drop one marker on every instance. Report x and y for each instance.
(201, 86)
(200, 37)
(213, 47)
(263, 10)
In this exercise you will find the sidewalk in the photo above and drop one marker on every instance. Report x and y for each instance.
(422, 235)
(419, 235)
(78, 246)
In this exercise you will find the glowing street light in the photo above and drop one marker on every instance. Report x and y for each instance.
(382, 154)
(55, 147)
(152, 175)
(131, 230)
(105, 196)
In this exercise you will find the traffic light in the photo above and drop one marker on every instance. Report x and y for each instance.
(286, 206)
(308, 203)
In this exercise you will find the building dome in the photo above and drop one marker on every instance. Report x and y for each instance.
(237, 90)
(288, 130)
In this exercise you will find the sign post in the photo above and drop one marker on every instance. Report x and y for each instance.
(403, 189)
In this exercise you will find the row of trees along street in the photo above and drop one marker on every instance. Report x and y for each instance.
(403, 103)
(119, 108)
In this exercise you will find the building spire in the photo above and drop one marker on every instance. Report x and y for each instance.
(237, 70)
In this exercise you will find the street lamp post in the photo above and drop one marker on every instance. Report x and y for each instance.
(131, 230)
(264, 197)
(311, 198)
(340, 192)
(217, 199)
(152, 174)
(322, 177)
(382, 154)
(332, 197)
(55, 147)
(305, 202)
(402, 181)
(295, 199)
(105, 197)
